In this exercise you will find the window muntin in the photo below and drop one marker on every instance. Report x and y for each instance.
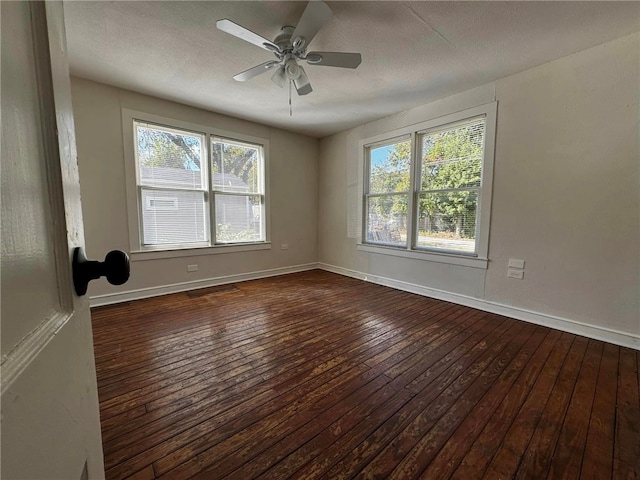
(387, 192)
(445, 167)
(185, 179)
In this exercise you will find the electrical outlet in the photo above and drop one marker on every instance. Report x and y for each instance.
(192, 268)
(514, 273)
(284, 246)
(516, 263)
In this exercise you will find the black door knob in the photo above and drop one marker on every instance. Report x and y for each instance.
(115, 267)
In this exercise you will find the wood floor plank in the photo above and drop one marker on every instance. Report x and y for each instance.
(188, 415)
(315, 375)
(399, 459)
(496, 406)
(569, 451)
(452, 384)
(193, 465)
(536, 460)
(627, 439)
(598, 455)
(343, 437)
(505, 438)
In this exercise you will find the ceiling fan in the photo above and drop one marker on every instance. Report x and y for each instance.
(290, 47)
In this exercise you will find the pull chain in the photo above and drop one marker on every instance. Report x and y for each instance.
(290, 110)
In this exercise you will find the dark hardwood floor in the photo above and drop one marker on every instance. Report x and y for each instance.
(316, 375)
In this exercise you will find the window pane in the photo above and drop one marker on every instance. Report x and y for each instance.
(389, 167)
(169, 158)
(174, 217)
(236, 167)
(387, 220)
(448, 220)
(239, 218)
(452, 158)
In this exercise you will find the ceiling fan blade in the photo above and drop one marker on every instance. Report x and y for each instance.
(255, 71)
(303, 87)
(334, 59)
(239, 31)
(279, 77)
(314, 17)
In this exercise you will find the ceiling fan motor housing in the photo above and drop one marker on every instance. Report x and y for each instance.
(283, 39)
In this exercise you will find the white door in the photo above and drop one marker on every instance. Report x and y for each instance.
(50, 417)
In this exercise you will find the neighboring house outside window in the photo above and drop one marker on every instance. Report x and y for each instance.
(194, 187)
(427, 189)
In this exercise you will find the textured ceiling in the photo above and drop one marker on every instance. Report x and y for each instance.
(412, 52)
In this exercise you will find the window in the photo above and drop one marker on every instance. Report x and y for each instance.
(238, 191)
(427, 190)
(194, 186)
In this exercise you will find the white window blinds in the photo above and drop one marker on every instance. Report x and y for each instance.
(172, 185)
(450, 180)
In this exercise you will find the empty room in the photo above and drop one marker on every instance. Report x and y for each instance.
(325, 240)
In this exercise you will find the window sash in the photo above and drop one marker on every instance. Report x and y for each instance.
(260, 165)
(217, 234)
(159, 244)
(202, 173)
(447, 246)
(386, 232)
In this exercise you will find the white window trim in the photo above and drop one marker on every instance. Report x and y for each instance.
(136, 249)
(478, 260)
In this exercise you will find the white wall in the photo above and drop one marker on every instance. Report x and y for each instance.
(565, 198)
(293, 164)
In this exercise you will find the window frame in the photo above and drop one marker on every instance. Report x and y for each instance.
(137, 249)
(476, 259)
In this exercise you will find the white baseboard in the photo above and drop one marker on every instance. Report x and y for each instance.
(564, 324)
(127, 296)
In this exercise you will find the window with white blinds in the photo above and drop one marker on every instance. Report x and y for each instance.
(428, 190)
(450, 167)
(197, 189)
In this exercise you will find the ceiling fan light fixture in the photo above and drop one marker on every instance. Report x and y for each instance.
(292, 69)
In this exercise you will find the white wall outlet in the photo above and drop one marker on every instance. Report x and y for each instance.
(516, 263)
(192, 268)
(515, 273)
(284, 246)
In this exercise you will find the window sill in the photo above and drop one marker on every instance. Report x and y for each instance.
(155, 254)
(430, 256)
